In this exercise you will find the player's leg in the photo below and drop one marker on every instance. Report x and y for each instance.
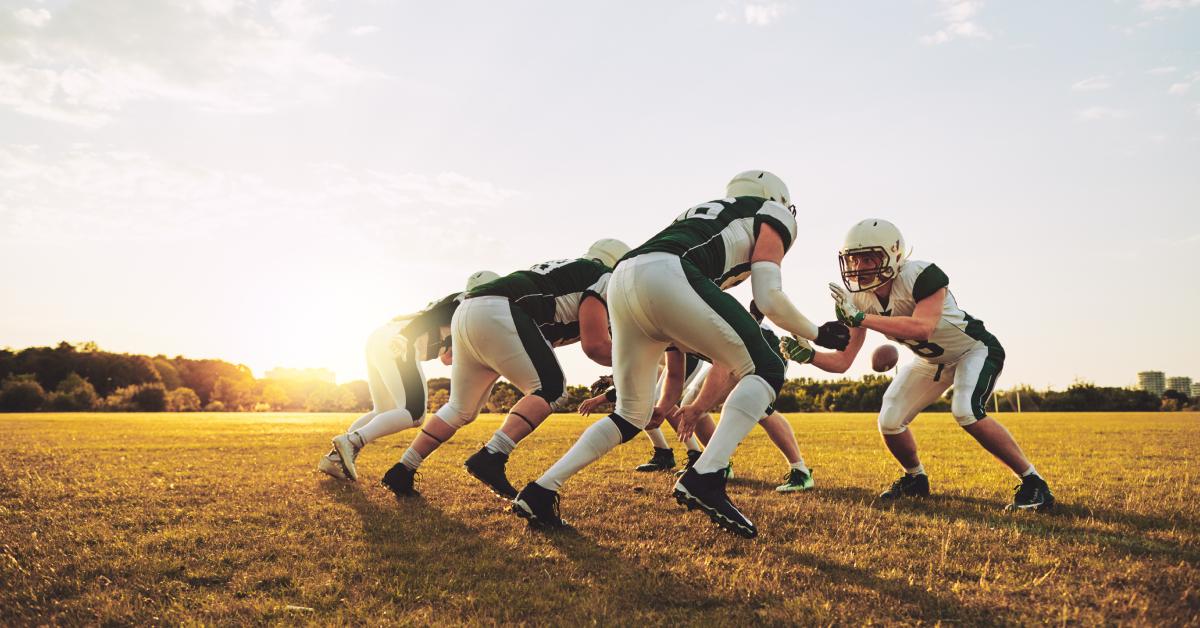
(918, 384)
(974, 382)
(713, 323)
(516, 349)
(470, 379)
(635, 365)
(663, 458)
(331, 463)
(799, 477)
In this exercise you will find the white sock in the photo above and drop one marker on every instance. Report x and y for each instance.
(741, 413)
(501, 444)
(800, 466)
(385, 423)
(693, 444)
(917, 470)
(412, 459)
(657, 439)
(1030, 471)
(595, 441)
(361, 421)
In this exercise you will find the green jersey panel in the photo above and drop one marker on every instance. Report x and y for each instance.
(429, 329)
(551, 293)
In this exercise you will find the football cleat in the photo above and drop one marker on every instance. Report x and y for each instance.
(796, 480)
(908, 486)
(1032, 494)
(399, 480)
(331, 464)
(706, 491)
(347, 451)
(539, 506)
(662, 460)
(488, 467)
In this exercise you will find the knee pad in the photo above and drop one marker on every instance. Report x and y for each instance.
(628, 430)
(454, 417)
(753, 395)
(891, 422)
(551, 391)
(963, 409)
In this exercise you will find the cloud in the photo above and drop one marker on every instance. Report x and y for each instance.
(93, 193)
(1159, 5)
(1178, 88)
(79, 64)
(1163, 70)
(752, 13)
(360, 31)
(959, 17)
(1092, 114)
(1094, 83)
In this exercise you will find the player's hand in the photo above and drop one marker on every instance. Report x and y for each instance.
(685, 420)
(602, 383)
(833, 335)
(843, 304)
(659, 415)
(796, 349)
(588, 405)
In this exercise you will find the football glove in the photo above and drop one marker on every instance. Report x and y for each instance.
(602, 384)
(796, 349)
(833, 335)
(843, 304)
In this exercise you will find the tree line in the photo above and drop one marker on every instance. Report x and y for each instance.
(78, 378)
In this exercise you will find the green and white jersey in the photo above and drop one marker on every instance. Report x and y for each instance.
(718, 237)
(428, 331)
(551, 293)
(956, 333)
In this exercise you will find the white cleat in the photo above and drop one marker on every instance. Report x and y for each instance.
(346, 451)
(331, 464)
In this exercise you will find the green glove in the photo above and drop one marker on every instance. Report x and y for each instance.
(796, 349)
(843, 305)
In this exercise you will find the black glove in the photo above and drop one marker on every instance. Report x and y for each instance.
(602, 384)
(833, 335)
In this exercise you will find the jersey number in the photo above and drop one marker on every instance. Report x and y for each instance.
(708, 211)
(545, 267)
(924, 349)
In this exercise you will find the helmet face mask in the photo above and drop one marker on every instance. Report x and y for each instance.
(865, 268)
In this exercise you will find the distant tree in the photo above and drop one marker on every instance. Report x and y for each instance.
(274, 395)
(361, 393)
(73, 394)
(168, 373)
(138, 398)
(21, 393)
(572, 398)
(1174, 401)
(182, 399)
(214, 406)
(437, 399)
(504, 396)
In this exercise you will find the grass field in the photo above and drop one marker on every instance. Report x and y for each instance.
(117, 518)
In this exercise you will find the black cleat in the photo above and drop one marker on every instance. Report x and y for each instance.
(399, 480)
(488, 467)
(692, 457)
(908, 486)
(1032, 494)
(706, 491)
(662, 460)
(539, 506)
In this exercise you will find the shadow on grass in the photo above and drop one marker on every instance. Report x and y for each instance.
(1065, 522)
(441, 563)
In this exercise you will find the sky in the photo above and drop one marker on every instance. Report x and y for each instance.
(268, 181)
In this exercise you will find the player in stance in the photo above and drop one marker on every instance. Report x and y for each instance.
(909, 301)
(669, 291)
(397, 384)
(509, 327)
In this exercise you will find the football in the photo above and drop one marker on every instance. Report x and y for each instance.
(884, 358)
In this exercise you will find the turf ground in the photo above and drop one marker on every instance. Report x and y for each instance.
(222, 518)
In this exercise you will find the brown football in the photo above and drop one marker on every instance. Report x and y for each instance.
(884, 358)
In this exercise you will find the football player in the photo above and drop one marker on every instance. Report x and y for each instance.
(509, 327)
(670, 290)
(910, 302)
(395, 379)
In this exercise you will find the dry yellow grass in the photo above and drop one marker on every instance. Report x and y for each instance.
(118, 519)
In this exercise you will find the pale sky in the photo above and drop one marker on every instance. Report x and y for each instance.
(266, 182)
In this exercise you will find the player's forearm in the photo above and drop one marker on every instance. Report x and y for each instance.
(717, 386)
(832, 361)
(767, 285)
(901, 327)
(672, 388)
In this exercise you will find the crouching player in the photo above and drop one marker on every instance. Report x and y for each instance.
(394, 377)
(509, 327)
(909, 302)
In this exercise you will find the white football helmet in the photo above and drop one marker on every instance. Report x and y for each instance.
(479, 278)
(762, 184)
(877, 239)
(607, 251)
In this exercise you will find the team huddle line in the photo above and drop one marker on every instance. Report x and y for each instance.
(664, 302)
